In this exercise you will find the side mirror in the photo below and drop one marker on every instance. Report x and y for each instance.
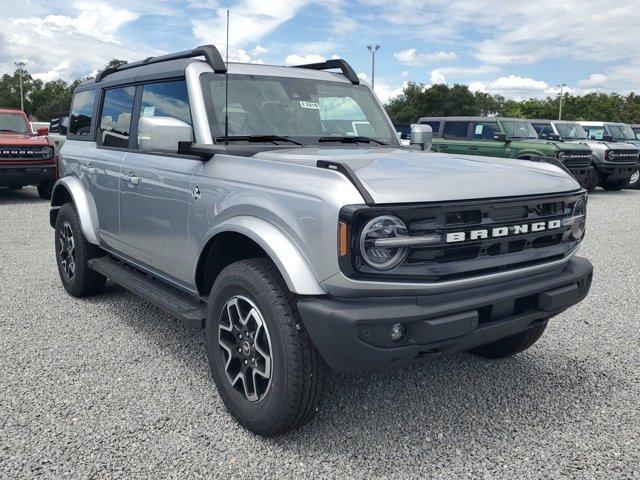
(162, 133)
(43, 131)
(500, 137)
(608, 138)
(421, 135)
(552, 136)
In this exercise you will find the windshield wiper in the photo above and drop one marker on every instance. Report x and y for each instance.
(258, 138)
(354, 139)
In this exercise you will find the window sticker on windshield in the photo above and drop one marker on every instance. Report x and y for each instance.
(311, 105)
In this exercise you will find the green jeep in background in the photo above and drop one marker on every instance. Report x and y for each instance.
(505, 137)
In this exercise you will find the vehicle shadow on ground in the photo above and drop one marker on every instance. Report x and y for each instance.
(26, 195)
(621, 193)
(430, 405)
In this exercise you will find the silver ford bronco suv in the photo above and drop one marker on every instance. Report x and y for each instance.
(275, 208)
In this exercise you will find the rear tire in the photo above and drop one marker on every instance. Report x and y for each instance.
(73, 251)
(592, 180)
(291, 394)
(44, 190)
(634, 182)
(512, 345)
(615, 186)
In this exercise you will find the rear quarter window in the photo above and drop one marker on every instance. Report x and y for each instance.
(81, 116)
(455, 130)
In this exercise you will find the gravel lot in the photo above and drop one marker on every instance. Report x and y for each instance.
(110, 387)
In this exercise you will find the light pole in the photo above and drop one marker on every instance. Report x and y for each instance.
(20, 65)
(561, 98)
(373, 49)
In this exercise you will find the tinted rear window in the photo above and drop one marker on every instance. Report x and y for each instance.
(455, 129)
(82, 113)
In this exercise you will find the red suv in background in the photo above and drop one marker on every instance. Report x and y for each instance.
(26, 158)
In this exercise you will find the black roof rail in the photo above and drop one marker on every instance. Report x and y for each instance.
(209, 52)
(347, 71)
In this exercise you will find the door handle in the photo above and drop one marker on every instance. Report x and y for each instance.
(444, 146)
(473, 148)
(133, 180)
(88, 169)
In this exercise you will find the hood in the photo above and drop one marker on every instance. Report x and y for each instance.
(401, 175)
(22, 139)
(602, 145)
(558, 144)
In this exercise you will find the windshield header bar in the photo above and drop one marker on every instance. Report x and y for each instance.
(347, 71)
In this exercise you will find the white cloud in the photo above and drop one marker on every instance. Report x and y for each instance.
(412, 57)
(437, 77)
(70, 46)
(515, 82)
(477, 87)
(595, 80)
(406, 73)
(363, 76)
(295, 59)
(259, 50)
(386, 92)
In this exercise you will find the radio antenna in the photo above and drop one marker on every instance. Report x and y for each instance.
(226, 91)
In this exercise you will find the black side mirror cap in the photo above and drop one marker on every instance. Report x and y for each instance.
(608, 138)
(202, 150)
(500, 137)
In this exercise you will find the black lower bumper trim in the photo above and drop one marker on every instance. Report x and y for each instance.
(31, 175)
(354, 335)
(615, 172)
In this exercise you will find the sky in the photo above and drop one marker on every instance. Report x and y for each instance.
(519, 49)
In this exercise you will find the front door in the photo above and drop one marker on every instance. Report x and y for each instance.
(482, 140)
(155, 191)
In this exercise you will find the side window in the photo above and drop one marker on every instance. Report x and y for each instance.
(484, 131)
(455, 130)
(81, 113)
(165, 117)
(115, 117)
(435, 126)
(595, 133)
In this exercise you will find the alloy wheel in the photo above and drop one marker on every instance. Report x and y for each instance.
(67, 250)
(245, 348)
(635, 177)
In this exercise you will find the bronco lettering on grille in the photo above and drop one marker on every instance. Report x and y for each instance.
(483, 234)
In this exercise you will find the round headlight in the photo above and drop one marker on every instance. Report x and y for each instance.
(561, 156)
(579, 215)
(611, 155)
(382, 257)
(47, 152)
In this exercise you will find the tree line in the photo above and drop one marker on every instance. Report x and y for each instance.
(442, 100)
(42, 100)
(45, 100)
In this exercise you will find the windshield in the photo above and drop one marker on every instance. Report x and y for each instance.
(571, 131)
(12, 122)
(636, 130)
(620, 131)
(518, 129)
(305, 110)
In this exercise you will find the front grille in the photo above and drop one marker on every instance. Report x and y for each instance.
(39, 152)
(576, 159)
(623, 156)
(479, 237)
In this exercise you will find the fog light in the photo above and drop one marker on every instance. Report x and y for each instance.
(398, 331)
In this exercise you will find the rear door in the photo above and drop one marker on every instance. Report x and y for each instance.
(155, 189)
(455, 132)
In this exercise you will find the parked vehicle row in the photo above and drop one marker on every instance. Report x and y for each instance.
(596, 153)
(276, 208)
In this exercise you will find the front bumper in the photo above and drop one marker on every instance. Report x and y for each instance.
(613, 172)
(26, 174)
(581, 174)
(353, 334)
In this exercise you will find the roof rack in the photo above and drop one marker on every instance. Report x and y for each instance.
(209, 52)
(347, 71)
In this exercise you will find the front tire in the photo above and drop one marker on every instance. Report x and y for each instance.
(73, 251)
(634, 182)
(615, 186)
(44, 190)
(592, 180)
(511, 345)
(268, 372)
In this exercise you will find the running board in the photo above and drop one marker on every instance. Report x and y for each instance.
(176, 303)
